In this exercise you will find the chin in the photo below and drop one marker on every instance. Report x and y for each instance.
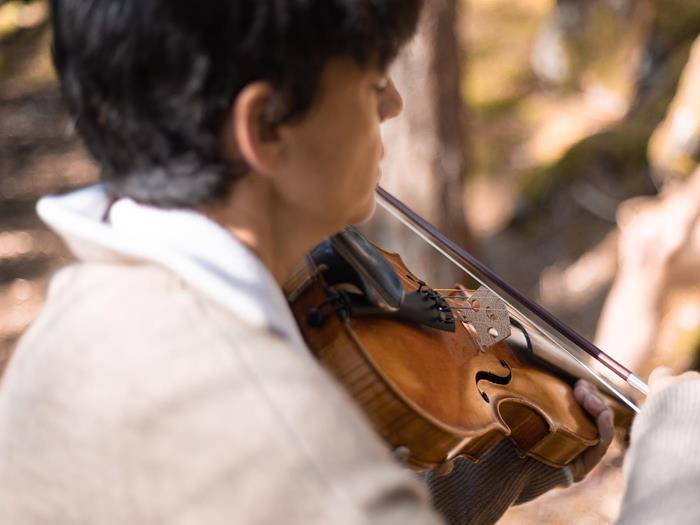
(366, 212)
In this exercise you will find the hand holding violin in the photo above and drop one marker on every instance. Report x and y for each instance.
(588, 396)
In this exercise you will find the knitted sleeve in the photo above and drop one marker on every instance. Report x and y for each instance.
(479, 493)
(662, 467)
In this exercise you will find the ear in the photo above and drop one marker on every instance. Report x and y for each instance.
(250, 131)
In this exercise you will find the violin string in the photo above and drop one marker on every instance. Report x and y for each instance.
(504, 310)
(461, 308)
(468, 306)
(461, 297)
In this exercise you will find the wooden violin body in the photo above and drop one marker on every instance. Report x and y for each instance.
(434, 395)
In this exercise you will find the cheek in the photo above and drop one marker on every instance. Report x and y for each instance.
(365, 210)
(366, 155)
(362, 177)
(333, 174)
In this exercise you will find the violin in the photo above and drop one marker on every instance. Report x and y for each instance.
(445, 373)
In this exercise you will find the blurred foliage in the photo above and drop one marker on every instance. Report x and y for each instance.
(674, 148)
(618, 153)
(564, 96)
(16, 16)
(676, 21)
(571, 91)
(498, 34)
(24, 46)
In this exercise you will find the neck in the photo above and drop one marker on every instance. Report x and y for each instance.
(258, 217)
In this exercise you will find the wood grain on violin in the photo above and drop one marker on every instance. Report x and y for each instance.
(436, 394)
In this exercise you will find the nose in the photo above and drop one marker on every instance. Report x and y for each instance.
(391, 102)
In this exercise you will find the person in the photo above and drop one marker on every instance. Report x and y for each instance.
(662, 466)
(165, 379)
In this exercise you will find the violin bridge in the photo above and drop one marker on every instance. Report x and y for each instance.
(488, 315)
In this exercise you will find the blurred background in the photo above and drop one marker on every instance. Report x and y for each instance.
(558, 140)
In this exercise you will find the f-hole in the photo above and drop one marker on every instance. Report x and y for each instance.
(493, 378)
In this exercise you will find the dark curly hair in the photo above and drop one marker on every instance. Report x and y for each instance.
(150, 82)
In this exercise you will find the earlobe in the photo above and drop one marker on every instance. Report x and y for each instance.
(251, 130)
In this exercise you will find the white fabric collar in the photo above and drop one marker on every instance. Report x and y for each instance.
(194, 247)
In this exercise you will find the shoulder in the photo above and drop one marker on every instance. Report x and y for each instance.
(115, 328)
(115, 324)
(182, 395)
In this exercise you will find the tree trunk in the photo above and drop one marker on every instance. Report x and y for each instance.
(425, 164)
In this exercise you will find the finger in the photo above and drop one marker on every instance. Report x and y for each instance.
(606, 427)
(583, 383)
(591, 457)
(582, 389)
(593, 404)
(606, 432)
